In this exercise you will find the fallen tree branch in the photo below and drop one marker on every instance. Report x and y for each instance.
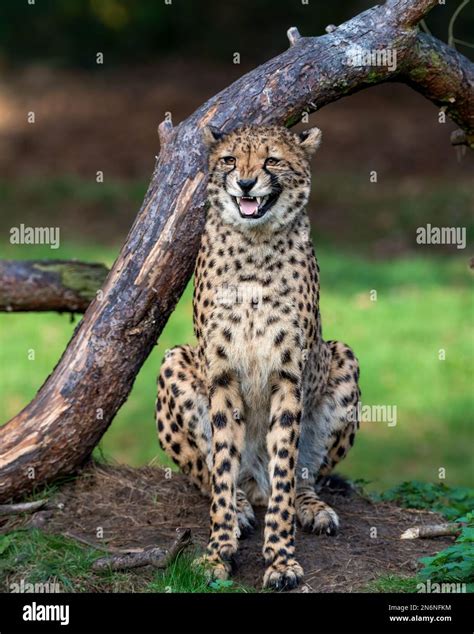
(58, 430)
(432, 530)
(39, 285)
(154, 556)
(22, 507)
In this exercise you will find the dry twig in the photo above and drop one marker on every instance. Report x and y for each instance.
(155, 556)
(23, 507)
(432, 530)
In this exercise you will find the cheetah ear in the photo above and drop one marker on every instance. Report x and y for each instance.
(211, 135)
(310, 140)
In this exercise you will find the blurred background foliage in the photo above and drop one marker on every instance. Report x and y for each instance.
(162, 58)
(133, 31)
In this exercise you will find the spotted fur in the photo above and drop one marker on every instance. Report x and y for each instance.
(258, 412)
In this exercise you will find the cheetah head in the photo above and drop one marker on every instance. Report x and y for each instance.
(260, 175)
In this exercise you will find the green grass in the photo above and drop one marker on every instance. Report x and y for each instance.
(424, 304)
(181, 576)
(37, 557)
(34, 557)
(392, 583)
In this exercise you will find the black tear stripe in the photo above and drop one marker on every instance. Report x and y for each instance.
(276, 187)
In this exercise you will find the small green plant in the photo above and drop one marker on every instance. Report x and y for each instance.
(218, 584)
(455, 563)
(452, 502)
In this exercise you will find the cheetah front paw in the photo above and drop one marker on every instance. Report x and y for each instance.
(212, 567)
(283, 575)
(317, 517)
(217, 565)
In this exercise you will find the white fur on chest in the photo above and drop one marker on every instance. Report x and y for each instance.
(252, 353)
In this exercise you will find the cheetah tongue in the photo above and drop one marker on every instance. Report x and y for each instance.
(248, 206)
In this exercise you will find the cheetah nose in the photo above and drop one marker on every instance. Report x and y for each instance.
(246, 184)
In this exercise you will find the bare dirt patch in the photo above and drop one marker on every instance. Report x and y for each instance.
(142, 507)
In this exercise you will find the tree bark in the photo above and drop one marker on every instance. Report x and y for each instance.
(441, 74)
(39, 285)
(432, 530)
(61, 426)
(152, 556)
(23, 507)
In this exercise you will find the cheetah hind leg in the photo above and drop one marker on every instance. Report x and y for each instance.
(336, 414)
(245, 515)
(314, 515)
(184, 429)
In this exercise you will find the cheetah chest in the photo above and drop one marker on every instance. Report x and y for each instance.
(258, 343)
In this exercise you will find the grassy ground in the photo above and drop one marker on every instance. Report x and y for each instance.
(423, 305)
(53, 561)
(35, 557)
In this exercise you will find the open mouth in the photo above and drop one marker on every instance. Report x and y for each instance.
(254, 207)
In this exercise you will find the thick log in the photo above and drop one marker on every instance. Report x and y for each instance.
(61, 426)
(39, 285)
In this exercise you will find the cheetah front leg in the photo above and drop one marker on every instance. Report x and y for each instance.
(228, 435)
(283, 571)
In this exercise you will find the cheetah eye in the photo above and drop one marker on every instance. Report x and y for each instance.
(271, 160)
(228, 160)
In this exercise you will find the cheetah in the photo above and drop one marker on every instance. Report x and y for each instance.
(262, 408)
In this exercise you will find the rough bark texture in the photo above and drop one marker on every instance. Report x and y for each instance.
(432, 530)
(23, 507)
(61, 426)
(49, 285)
(155, 556)
(441, 74)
